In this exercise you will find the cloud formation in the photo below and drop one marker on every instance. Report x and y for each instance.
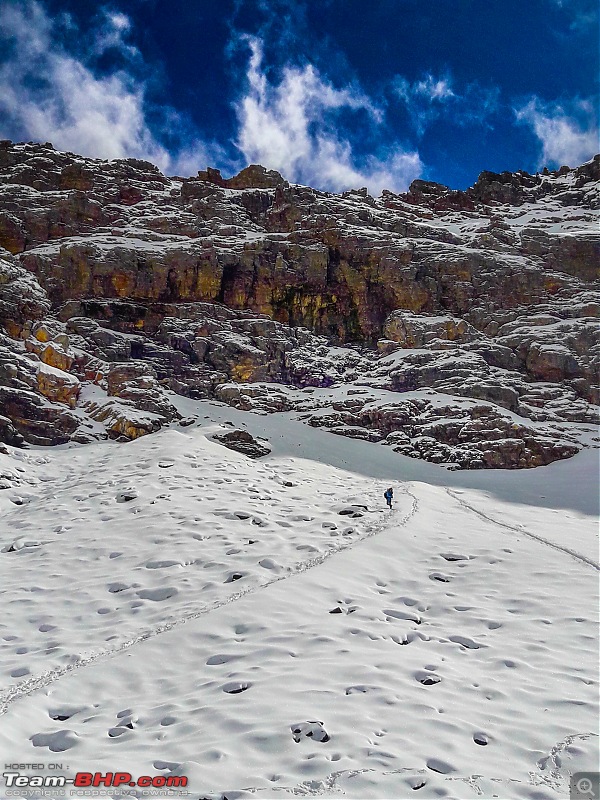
(92, 92)
(565, 138)
(292, 125)
(51, 94)
(432, 97)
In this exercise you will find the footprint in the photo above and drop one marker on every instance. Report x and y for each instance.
(354, 512)
(115, 588)
(57, 742)
(394, 614)
(480, 739)
(20, 672)
(464, 641)
(410, 637)
(21, 544)
(236, 687)
(268, 563)
(62, 714)
(221, 658)
(427, 678)
(408, 601)
(437, 576)
(157, 594)
(455, 557)
(437, 765)
(126, 496)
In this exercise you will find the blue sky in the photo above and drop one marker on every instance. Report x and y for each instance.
(333, 93)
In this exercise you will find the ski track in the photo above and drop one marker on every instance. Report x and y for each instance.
(318, 788)
(35, 683)
(516, 529)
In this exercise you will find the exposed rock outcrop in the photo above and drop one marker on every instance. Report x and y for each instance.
(243, 442)
(120, 287)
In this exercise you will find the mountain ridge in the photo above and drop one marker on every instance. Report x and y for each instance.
(135, 285)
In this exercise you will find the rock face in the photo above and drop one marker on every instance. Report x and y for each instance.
(121, 288)
(338, 265)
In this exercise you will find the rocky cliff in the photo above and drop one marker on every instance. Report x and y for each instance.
(455, 326)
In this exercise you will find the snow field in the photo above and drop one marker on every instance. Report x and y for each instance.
(140, 536)
(435, 651)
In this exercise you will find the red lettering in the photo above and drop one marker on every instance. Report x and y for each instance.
(159, 781)
(83, 779)
(145, 780)
(104, 779)
(121, 777)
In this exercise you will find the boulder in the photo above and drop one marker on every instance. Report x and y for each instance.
(122, 419)
(57, 385)
(9, 434)
(120, 375)
(412, 330)
(36, 419)
(243, 442)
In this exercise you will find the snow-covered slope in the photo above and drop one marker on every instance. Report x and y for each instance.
(175, 608)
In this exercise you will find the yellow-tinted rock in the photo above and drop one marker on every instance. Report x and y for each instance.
(244, 371)
(58, 386)
(42, 334)
(57, 356)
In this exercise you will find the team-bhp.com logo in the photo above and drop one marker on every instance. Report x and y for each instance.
(89, 780)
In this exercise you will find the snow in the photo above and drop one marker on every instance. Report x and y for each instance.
(54, 372)
(267, 628)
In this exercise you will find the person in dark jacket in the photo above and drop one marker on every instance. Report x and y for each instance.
(388, 494)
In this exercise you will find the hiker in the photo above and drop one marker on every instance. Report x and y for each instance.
(388, 494)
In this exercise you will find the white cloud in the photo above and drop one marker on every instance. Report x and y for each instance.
(429, 88)
(49, 94)
(565, 138)
(291, 126)
(434, 89)
(433, 97)
(112, 33)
